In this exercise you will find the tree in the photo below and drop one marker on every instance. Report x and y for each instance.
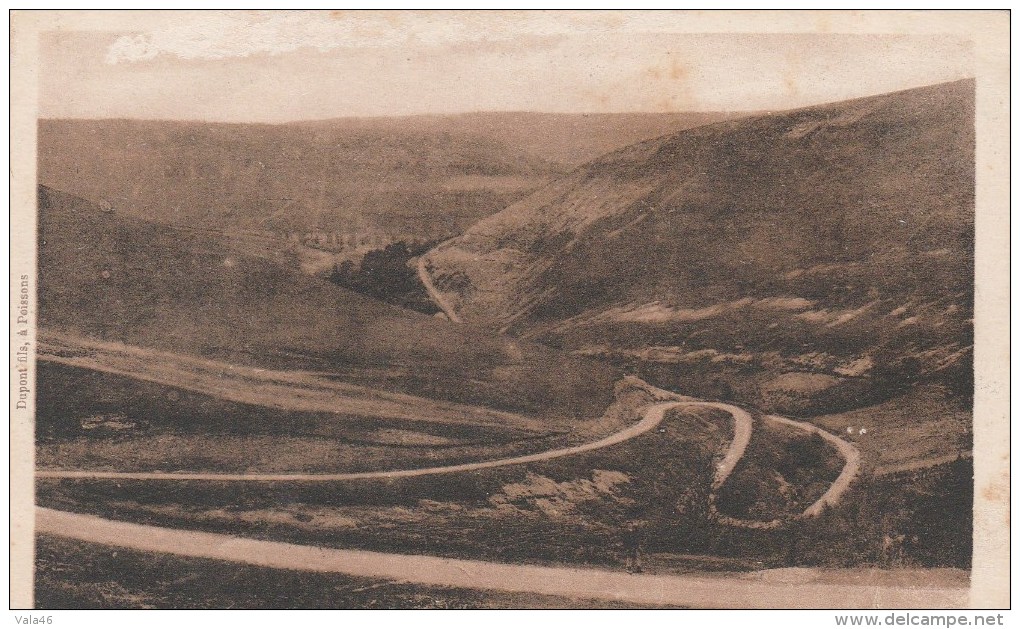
(388, 275)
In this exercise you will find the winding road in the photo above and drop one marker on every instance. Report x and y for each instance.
(653, 590)
(743, 427)
(434, 294)
(851, 468)
(652, 417)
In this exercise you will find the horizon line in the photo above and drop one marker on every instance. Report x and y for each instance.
(503, 112)
(480, 112)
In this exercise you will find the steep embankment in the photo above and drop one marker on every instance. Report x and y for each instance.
(805, 261)
(109, 277)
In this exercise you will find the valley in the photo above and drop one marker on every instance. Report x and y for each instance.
(747, 337)
(806, 262)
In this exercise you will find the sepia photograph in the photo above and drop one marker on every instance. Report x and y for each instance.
(509, 310)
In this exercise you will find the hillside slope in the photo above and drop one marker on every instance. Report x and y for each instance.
(822, 254)
(110, 277)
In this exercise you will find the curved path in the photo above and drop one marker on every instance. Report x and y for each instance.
(652, 590)
(652, 417)
(832, 496)
(851, 468)
(742, 428)
(914, 466)
(434, 294)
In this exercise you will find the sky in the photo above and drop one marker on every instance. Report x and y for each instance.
(284, 66)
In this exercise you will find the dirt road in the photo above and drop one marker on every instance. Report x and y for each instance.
(915, 466)
(654, 590)
(743, 425)
(298, 391)
(251, 384)
(742, 429)
(652, 417)
(851, 468)
(436, 297)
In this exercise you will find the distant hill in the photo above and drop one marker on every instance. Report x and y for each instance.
(423, 178)
(107, 276)
(565, 139)
(804, 260)
(391, 181)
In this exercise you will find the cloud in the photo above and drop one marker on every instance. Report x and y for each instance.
(226, 34)
(221, 35)
(131, 48)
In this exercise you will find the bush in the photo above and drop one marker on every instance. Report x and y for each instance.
(387, 274)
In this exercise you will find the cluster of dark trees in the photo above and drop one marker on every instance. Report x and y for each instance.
(388, 275)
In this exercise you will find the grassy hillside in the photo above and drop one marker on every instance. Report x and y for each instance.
(571, 510)
(110, 277)
(926, 424)
(94, 419)
(806, 261)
